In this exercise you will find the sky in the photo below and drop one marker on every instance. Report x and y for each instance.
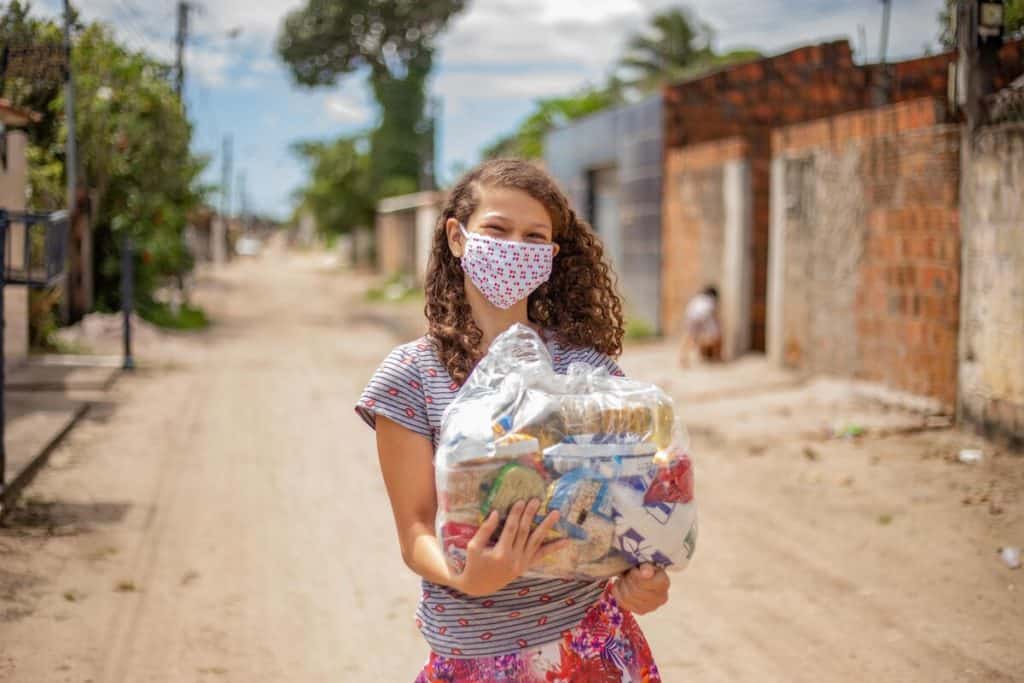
(494, 61)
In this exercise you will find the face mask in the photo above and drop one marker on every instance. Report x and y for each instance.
(505, 271)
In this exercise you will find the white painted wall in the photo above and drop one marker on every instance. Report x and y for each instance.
(737, 267)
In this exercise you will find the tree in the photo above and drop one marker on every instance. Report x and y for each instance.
(393, 40)
(1013, 20)
(30, 85)
(676, 46)
(134, 144)
(675, 42)
(338, 192)
(527, 142)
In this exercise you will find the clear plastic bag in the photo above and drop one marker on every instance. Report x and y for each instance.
(608, 452)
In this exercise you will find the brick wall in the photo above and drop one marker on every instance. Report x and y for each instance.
(751, 100)
(992, 309)
(865, 241)
(693, 239)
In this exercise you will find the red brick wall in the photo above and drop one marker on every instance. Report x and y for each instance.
(901, 166)
(692, 224)
(750, 100)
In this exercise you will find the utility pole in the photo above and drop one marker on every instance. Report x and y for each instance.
(881, 89)
(179, 41)
(243, 205)
(884, 45)
(979, 35)
(220, 226)
(70, 152)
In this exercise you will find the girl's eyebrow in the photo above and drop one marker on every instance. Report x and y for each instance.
(496, 215)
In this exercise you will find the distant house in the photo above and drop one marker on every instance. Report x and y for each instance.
(610, 164)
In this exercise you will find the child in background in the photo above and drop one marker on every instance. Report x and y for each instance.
(703, 332)
(507, 249)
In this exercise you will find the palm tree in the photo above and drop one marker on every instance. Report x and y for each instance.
(676, 46)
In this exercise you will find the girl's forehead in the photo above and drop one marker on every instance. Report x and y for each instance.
(513, 205)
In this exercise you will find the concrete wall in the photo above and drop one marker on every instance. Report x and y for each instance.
(13, 183)
(396, 241)
(865, 244)
(991, 368)
(628, 138)
(706, 236)
(404, 231)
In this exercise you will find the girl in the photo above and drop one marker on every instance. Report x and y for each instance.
(488, 623)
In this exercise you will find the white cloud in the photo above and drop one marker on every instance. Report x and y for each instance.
(346, 110)
(517, 85)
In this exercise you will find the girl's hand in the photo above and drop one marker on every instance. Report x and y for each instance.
(642, 589)
(488, 570)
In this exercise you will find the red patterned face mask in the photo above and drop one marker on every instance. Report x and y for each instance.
(503, 270)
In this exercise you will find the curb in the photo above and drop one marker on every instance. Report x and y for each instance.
(9, 493)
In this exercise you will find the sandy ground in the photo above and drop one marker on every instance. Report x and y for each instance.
(223, 519)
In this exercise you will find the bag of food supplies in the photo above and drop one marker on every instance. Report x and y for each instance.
(608, 453)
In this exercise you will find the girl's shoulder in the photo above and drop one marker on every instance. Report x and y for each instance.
(564, 355)
(419, 353)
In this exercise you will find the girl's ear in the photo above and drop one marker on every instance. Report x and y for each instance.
(556, 246)
(456, 242)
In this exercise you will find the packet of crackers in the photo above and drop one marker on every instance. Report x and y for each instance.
(609, 453)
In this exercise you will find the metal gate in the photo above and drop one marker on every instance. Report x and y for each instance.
(34, 247)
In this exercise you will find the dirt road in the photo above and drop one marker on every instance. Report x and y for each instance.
(223, 519)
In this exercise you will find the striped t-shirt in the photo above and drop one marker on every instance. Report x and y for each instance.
(412, 387)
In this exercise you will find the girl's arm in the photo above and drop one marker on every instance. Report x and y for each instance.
(406, 461)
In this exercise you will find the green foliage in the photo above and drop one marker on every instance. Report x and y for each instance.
(1013, 20)
(187, 317)
(638, 329)
(675, 43)
(398, 288)
(325, 39)
(18, 29)
(393, 42)
(528, 141)
(338, 191)
(675, 47)
(134, 149)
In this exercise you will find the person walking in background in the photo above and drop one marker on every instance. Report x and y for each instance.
(703, 332)
(489, 623)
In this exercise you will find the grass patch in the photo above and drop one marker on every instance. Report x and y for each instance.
(187, 317)
(398, 288)
(638, 329)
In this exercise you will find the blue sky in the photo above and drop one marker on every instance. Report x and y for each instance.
(494, 61)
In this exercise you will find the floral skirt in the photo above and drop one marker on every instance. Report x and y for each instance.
(606, 646)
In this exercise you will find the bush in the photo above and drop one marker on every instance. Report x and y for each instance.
(638, 329)
(188, 317)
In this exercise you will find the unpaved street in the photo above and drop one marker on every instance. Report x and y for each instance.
(222, 518)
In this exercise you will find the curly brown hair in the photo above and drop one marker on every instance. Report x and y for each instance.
(579, 304)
